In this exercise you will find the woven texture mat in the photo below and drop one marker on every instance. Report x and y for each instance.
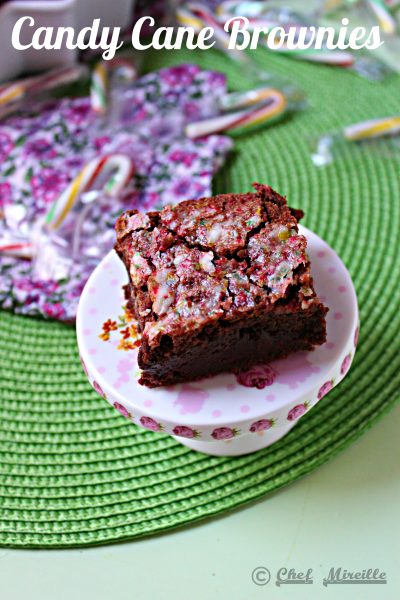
(74, 472)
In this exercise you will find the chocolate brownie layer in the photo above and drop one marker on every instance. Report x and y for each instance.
(218, 284)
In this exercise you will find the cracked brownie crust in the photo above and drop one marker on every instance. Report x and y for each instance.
(218, 284)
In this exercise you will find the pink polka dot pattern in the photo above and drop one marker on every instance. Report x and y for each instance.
(220, 408)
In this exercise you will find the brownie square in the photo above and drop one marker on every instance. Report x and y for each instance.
(218, 284)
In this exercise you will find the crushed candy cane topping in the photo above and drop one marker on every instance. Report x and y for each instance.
(210, 259)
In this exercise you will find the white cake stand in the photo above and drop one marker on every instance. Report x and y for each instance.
(222, 415)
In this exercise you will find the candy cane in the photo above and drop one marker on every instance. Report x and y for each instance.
(366, 130)
(386, 22)
(14, 247)
(373, 128)
(236, 100)
(240, 7)
(18, 90)
(105, 165)
(198, 17)
(186, 17)
(19, 246)
(99, 88)
(11, 93)
(330, 5)
(256, 18)
(259, 95)
(243, 120)
(56, 78)
(338, 58)
(100, 84)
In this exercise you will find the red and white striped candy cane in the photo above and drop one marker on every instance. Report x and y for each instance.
(117, 167)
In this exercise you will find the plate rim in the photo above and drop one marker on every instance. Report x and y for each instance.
(113, 395)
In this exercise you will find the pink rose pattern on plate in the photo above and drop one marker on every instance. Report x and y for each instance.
(149, 423)
(84, 367)
(324, 389)
(345, 364)
(124, 411)
(262, 425)
(98, 389)
(297, 411)
(45, 146)
(259, 377)
(224, 433)
(187, 432)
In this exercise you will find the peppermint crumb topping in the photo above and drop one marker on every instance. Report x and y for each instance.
(217, 258)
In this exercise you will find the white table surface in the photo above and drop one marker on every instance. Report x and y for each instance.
(344, 514)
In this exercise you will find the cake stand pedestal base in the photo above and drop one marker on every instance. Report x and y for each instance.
(244, 444)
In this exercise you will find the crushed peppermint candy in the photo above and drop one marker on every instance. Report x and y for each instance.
(211, 259)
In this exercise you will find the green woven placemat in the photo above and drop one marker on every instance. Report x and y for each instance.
(73, 472)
